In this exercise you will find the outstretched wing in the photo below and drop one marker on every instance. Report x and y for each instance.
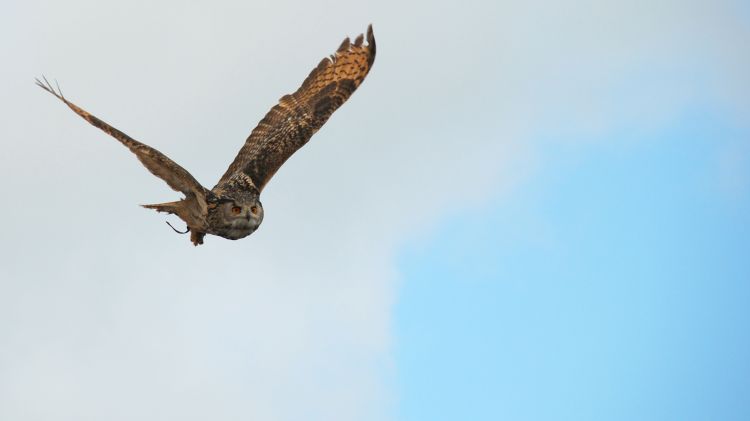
(177, 177)
(291, 123)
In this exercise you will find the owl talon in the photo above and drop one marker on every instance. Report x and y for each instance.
(197, 237)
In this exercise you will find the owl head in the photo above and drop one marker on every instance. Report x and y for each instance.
(234, 218)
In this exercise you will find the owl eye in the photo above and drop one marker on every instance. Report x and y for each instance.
(254, 210)
(236, 210)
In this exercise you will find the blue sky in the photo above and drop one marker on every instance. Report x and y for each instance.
(530, 210)
(613, 284)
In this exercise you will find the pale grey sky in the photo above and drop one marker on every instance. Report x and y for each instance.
(105, 313)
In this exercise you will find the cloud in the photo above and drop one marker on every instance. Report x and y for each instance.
(105, 313)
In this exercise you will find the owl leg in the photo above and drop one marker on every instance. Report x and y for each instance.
(197, 237)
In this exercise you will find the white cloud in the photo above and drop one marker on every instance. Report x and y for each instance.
(106, 314)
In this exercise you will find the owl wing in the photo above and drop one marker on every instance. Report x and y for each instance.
(159, 164)
(291, 123)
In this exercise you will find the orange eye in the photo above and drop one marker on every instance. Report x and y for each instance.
(236, 210)
(254, 210)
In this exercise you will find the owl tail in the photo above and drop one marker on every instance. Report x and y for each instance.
(168, 207)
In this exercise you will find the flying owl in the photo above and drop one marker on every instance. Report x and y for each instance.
(232, 209)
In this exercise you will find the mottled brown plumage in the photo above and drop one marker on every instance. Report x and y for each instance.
(232, 209)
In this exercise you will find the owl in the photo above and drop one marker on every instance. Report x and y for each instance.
(232, 208)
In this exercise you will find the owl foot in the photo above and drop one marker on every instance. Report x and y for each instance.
(197, 237)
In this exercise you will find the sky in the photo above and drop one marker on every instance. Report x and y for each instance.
(528, 211)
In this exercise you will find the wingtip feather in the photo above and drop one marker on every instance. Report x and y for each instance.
(371, 45)
(47, 86)
(359, 40)
(370, 35)
(344, 45)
